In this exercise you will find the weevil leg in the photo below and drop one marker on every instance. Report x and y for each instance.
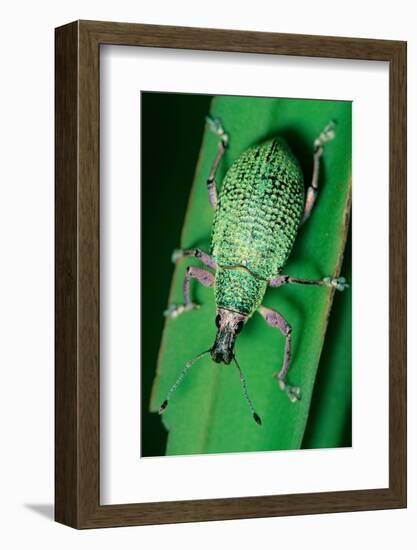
(180, 253)
(204, 277)
(276, 320)
(339, 283)
(216, 126)
(326, 135)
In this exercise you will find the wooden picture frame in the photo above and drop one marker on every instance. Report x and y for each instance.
(77, 406)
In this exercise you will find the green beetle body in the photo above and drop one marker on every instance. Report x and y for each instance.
(260, 207)
(259, 210)
(258, 213)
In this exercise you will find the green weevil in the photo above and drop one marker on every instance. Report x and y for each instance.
(259, 210)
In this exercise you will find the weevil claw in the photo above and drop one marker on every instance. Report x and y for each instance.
(174, 310)
(177, 254)
(216, 126)
(293, 392)
(339, 283)
(326, 135)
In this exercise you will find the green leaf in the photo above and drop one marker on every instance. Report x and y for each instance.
(330, 419)
(207, 414)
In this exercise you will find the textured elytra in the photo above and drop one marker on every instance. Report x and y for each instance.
(261, 203)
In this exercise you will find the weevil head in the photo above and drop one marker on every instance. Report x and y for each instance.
(229, 324)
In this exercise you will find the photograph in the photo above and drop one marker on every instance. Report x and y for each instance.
(246, 275)
(230, 274)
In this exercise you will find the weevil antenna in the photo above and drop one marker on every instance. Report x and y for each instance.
(180, 378)
(256, 417)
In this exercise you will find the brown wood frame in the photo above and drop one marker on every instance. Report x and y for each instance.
(77, 405)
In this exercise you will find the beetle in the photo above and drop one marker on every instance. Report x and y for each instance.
(258, 212)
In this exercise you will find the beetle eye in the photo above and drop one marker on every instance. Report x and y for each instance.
(218, 321)
(239, 327)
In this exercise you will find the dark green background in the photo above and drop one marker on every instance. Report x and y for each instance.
(172, 129)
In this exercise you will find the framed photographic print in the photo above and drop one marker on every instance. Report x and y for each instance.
(230, 274)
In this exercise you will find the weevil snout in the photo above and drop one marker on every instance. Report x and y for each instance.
(229, 324)
(221, 355)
